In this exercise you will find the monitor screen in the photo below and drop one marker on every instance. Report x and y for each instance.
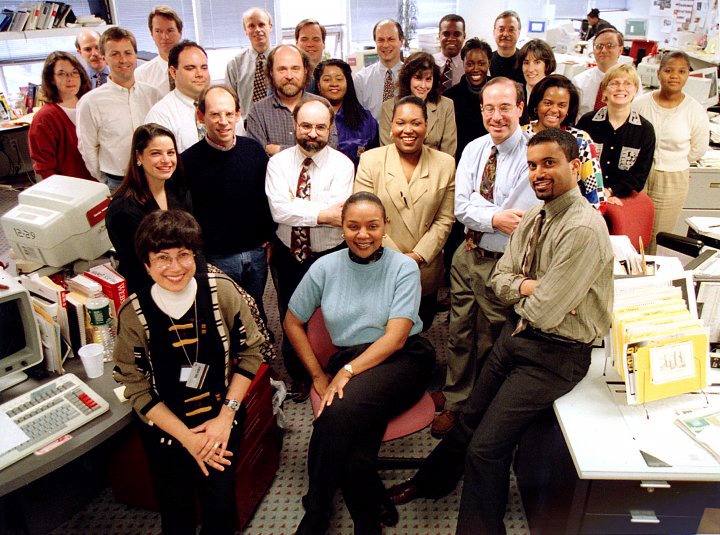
(635, 28)
(536, 26)
(12, 334)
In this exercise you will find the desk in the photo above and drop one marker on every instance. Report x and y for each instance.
(83, 439)
(588, 475)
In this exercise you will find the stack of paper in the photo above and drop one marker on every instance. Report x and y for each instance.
(658, 345)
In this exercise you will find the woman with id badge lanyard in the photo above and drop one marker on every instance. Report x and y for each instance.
(186, 352)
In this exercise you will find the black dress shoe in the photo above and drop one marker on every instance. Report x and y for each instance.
(403, 493)
(388, 514)
(299, 392)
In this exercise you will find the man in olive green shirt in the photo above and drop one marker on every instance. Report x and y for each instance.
(562, 293)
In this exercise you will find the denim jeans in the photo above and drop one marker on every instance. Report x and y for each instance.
(113, 182)
(249, 269)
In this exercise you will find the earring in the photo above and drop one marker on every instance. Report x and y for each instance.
(384, 236)
(343, 235)
(139, 163)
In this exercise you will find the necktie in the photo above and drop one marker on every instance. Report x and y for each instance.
(487, 189)
(599, 99)
(446, 76)
(388, 87)
(527, 263)
(100, 78)
(300, 236)
(259, 79)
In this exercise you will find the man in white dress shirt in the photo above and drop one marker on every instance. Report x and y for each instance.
(246, 72)
(87, 44)
(377, 83)
(310, 38)
(607, 48)
(176, 111)
(451, 36)
(166, 31)
(306, 186)
(108, 116)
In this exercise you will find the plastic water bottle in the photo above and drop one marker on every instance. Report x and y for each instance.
(101, 324)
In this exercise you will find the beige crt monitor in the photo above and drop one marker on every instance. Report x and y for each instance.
(363, 58)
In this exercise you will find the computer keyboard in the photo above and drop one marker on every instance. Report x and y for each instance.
(49, 412)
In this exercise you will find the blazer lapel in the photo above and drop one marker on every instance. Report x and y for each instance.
(397, 188)
(432, 109)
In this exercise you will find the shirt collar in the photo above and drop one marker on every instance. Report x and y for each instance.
(602, 115)
(254, 53)
(182, 97)
(220, 147)
(562, 203)
(318, 159)
(511, 143)
(278, 104)
(118, 87)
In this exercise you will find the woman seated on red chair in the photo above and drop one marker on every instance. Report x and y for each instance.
(369, 298)
(625, 139)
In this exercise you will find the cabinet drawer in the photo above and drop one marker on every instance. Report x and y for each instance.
(704, 189)
(254, 476)
(260, 391)
(619, 497)
(255, 426)
(621, 525)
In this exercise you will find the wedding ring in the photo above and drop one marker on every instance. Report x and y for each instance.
(216, 445)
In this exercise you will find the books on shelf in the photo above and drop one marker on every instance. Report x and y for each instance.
(37, 16)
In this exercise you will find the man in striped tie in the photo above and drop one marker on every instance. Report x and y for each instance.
(452, 37)
(562, 298)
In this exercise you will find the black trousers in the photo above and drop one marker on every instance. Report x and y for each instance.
(287, 273)
(346, 438)
(522, 376)
(177, 481)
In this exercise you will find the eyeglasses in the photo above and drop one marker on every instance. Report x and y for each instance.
(216, 116)
(163, 261)
(319, 128)
(504, 109)
(616, 84)
(66, 75)
(609, 46)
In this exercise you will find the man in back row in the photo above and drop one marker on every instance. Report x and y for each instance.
(377, 83)
(451, 35)
(87, 44)
(310, 38)
(506, 32)
(166, 31)
(562, 300)
(108, 116)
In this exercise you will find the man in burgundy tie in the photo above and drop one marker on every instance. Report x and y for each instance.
(563, 295)
(491, 193)
(452, 36)
(306, 186)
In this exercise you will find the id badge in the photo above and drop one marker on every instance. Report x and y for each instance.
(198, 372)
(185, 373)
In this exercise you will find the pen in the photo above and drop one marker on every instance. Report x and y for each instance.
(642, 254)
(713, 226)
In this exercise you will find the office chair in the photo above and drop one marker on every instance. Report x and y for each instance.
(633, 219)
(640, 49)
(416, 418)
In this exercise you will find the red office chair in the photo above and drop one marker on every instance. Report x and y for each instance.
(416, 418)
(633, 219)
(640, 49)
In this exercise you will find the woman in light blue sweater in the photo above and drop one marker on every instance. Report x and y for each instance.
(369, 298)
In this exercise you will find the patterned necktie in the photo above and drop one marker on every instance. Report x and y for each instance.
(259, 79)
(599, 99)
(527, 263)
(446, 76)
(100, 78)
(388, 88)
(487, 190)
(300, 236)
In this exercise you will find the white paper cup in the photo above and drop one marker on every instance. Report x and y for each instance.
(92, 359)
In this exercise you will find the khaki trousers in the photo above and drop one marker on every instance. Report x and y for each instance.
(476, 318)
(668, 191)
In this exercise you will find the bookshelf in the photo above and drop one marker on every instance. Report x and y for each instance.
(55, 32)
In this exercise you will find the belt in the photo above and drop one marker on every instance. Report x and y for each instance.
(532, 332)
(487, 254)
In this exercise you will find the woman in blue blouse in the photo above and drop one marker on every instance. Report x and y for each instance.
(357, 129)
(369, 298)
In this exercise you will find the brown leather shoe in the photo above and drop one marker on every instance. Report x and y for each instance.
(403, 493)
(443, 423)
(438, 399)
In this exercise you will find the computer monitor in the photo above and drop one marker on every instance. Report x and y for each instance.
(59, 220)
(536, 29)
(702, 85)
(635, 29)
(19, 335)
(363, 58)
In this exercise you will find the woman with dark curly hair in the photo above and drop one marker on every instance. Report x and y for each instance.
(420, 76)
(537, 60)
(356, 127)
(52, 136)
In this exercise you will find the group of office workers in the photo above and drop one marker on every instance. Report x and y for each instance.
(359, 192)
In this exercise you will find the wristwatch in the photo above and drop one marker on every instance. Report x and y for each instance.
(348, 368)
(232, 404)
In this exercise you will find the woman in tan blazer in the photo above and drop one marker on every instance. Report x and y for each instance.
(416, 184)
(420, 76)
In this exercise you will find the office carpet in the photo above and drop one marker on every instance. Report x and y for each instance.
(281, 510)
